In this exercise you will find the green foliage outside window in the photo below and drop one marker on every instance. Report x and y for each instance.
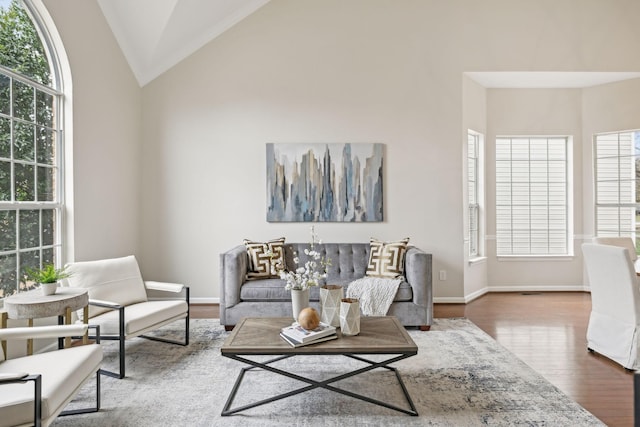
(20, 46)
(28, 143)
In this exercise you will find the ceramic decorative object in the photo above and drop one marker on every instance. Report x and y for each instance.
(350, 316)
(299, 300)
(49, 288)
(330, 297)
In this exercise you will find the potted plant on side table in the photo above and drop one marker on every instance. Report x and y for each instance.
(47, 277)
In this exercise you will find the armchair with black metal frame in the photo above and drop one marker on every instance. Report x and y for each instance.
(119, 302)
(57, 376)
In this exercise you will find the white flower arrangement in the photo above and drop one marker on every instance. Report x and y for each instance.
(314, 269)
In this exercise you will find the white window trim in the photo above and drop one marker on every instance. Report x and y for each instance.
(480, 198)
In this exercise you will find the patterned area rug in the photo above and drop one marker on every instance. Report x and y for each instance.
(460, 377)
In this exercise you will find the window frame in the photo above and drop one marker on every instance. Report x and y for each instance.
(634, 231)
(475, 206)
(53, 245)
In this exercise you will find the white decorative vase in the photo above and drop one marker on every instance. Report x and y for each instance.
(299, 300)
(49, 288)
(330, 296)
(350, 316)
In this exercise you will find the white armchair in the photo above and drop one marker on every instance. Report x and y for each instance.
(614, 321)
(119, 304)
(35, 389)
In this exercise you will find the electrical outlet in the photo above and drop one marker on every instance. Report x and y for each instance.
(443, 275)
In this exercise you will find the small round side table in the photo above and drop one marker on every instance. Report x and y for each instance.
(32, 304)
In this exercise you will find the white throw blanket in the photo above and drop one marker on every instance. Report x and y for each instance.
(375, 294)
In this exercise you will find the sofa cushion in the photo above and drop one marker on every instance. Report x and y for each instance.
(387, 259)
(265, 258)
(273, 290)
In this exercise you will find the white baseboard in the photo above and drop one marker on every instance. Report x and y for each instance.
(204, 300)
(537, 288)
(514, 288)
(461, 300)
(449, 300)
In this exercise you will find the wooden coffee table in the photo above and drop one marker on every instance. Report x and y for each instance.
(254, 336)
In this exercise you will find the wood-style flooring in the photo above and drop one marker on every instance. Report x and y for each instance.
(548, 332)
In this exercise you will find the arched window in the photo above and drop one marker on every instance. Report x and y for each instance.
(31, 142)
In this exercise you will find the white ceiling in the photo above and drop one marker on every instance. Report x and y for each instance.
(155, 35)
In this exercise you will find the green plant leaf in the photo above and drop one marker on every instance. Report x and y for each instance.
(48, 274)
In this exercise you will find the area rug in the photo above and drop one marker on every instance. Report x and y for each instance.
(460, 377)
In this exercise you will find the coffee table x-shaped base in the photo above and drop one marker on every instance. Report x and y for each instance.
(313, 384)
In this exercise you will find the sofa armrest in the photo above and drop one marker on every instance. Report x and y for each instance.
(233, 270)
(417, 271)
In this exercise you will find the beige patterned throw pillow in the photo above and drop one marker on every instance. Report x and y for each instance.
(387, 259)
(264, 257)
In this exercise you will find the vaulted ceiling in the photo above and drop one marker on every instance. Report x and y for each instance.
(155, 35)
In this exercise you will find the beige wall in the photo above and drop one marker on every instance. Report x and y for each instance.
(187, 181)
(535, 112)
(104, 144)
(357, 71)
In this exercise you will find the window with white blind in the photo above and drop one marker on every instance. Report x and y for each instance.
(474, 196)
(617, 157)
(532, 211)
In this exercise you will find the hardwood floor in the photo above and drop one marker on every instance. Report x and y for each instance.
(548, 332)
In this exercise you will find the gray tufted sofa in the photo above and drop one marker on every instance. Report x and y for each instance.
(239, 298)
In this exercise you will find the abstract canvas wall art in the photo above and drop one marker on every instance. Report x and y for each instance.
(324, 182)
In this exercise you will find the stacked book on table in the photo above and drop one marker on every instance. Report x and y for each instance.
(297, 336)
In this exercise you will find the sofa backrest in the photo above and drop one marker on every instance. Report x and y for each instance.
(348, 260)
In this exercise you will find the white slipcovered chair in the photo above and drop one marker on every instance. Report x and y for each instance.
(623, 242)
(119, 304)
(35, 389)
(614, 321)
